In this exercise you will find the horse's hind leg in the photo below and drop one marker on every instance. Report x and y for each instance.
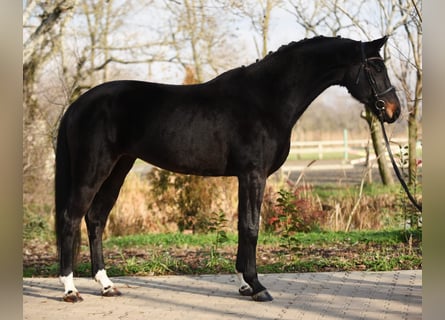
(69, 237)
(96, 219)
(87, 175)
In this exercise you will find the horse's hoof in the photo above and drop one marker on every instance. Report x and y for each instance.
(111, 292)
(245, 291)
(262, 296)
(72, 297)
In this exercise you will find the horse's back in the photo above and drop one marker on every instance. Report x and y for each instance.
(174, 127)
(207, 129)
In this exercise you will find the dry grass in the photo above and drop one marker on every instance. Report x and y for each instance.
(372, 213)
(138, 210)
(332, 213)
(131, 212)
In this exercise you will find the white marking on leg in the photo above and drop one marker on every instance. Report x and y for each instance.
(68, 282)
(102, 278)
(243, 285)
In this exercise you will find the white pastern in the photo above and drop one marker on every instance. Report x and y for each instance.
(68, 282)
(102, 278)
(242, 284)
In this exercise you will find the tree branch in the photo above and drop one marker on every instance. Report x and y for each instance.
(50, 19)
(417, 10)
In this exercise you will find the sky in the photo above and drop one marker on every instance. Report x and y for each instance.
(148, 20)
(283, 30)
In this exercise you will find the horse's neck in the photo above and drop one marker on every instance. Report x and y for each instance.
(298, 84)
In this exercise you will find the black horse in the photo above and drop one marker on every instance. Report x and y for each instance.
(238, 124)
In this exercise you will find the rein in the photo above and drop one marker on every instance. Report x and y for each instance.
(380, 106)
(396, 168)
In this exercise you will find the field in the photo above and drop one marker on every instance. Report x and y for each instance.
(303, 229)
(177, 253)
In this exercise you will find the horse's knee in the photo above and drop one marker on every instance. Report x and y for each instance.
(252, 233)
(249, 232)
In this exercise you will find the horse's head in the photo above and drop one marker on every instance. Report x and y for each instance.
(367, 80)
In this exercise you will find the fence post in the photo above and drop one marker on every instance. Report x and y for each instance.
(345, 141)
(320, 151)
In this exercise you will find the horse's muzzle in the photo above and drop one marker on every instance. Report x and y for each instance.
(391, 112)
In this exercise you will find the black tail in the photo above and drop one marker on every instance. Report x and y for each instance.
(63, 188)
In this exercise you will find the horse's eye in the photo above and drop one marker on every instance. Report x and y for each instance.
(377, 65)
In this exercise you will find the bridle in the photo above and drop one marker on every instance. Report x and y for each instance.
(380, 105)
(378, 102)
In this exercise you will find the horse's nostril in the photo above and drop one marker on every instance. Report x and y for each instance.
(392, 111)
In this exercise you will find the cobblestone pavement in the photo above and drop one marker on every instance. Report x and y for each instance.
(336, 295)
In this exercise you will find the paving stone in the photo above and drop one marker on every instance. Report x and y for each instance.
(336, 295)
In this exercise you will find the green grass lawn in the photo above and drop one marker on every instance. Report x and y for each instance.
(159, 254)
(389, 237)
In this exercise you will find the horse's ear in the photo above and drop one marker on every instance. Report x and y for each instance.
(378, 43)
(373, 47)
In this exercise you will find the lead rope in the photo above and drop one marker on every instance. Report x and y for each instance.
(396, 169)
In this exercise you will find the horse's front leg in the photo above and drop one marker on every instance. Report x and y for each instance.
(250, 192)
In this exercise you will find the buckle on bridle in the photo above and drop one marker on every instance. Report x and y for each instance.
(380, 105)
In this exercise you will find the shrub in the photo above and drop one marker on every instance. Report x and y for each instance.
(296, 211)
(189, 200)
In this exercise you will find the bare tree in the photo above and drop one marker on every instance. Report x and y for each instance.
(200, 38)
(92, 60)
(41, 22)
(379, 147)
(61, 59)
(259, 13)
(328, 17)
(410, 66)
(334, 17)
(401, 19)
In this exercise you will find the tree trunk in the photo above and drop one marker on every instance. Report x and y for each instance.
(379, 148)
(412, 143)
(37, 163)
(265, 25)
(412, 117)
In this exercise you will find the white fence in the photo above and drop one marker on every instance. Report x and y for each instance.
(345, 147)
